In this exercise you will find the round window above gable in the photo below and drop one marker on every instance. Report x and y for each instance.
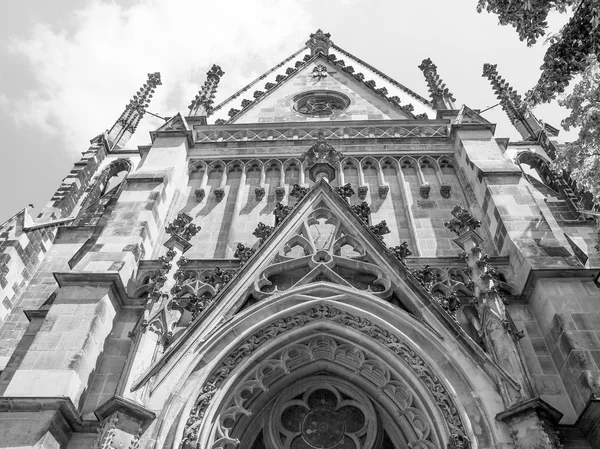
(321, 103)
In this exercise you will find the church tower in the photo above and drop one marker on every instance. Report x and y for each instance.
(324, 260)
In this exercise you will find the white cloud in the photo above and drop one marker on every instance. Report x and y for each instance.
(85, 78)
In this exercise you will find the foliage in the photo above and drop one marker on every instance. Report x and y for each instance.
(528, 17)
(581, 158)
(569, 49)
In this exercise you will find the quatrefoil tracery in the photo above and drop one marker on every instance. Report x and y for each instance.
(322, 419)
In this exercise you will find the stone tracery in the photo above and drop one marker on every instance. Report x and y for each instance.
(282, 362)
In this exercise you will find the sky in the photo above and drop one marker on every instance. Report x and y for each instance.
(68, 67)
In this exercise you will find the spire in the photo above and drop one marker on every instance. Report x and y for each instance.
(319, 42)
(202, 104)
(516, 109)
(129, 120)
(441, 96)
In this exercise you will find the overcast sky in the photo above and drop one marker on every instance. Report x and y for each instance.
(68, 67)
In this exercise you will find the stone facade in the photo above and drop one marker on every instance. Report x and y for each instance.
(337, 262)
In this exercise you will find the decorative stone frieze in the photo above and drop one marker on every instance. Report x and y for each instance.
(259, 133)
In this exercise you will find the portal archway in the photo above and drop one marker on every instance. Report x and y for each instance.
(249, 377)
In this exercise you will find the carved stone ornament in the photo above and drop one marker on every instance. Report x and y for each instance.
(219, 194)
(200, 194)
(263, 231)
(421, 369)
(346, 191)
(458, 441)
(260, 193)
(380, 229)
(445, 191)
(424, 190)
(279, 193)
(363, 211)
(183, 227)
(401, 252)
(319, 72)
(319, 42)
(362, 192)
(243, 253)
(298, 192)
(281, 211)
(321, 152)
(383, 192)
(463, 221)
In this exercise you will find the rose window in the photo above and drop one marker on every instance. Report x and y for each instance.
(321, 103)
(322, 419)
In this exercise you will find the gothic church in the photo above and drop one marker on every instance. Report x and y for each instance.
(325, 260)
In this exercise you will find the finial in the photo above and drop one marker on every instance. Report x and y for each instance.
(319, 42)
(441, 96)
(321, 159)
(516, 109)
(129, 120)
(202, 103)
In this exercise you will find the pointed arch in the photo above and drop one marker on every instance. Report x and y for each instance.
(108, 185)
(382, 352)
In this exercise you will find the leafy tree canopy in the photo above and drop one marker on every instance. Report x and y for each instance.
(581, 159)
(569, 50)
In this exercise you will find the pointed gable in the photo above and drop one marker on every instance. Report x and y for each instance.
(320, 80)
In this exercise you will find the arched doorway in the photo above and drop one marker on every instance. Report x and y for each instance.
(378, 392)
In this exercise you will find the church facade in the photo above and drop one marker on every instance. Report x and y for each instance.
(326, 260)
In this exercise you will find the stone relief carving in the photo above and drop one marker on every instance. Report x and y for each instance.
(439, 394)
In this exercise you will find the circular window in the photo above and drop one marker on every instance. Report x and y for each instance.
(320, 103)
(323, 416)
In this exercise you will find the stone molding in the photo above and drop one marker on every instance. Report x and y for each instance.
(113, 280)
(400, 129)
(127, 407)
(70, 418)
(244, 349)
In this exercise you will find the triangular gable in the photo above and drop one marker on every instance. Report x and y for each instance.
(467, 115)
(323, 258)
(319, 75)
(175, 126)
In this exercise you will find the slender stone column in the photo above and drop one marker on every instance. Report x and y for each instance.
(409, 214)
(236, 211)
(302, 178)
